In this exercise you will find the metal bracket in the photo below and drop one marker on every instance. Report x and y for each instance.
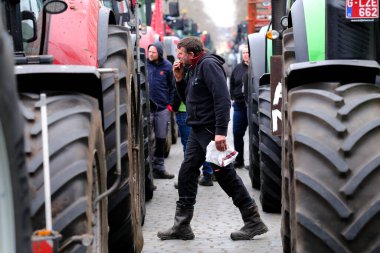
(85, 239)
(116, 185)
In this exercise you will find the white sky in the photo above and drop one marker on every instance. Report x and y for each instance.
(222, 12)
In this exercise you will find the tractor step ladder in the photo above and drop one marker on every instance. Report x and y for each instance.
(45, 240)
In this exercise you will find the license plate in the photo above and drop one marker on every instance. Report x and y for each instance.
(362, 10)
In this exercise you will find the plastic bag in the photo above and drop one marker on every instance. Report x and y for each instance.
(220, 158)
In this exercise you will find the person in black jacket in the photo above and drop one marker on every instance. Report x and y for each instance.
(204, 89)
(240, 121)
(161, 95)
(180, 108)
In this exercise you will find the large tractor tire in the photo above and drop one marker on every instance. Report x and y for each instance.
(15, 229)
(285, 182)
(174, 128)
(136, 149)
(335, 134)
(169, 140)
(287, 200)
(77, 170)
(270, 156)
(123, 214)
(253, 132)
(148, 140)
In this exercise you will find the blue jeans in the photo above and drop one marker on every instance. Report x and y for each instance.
(184, 131)
(239, 126)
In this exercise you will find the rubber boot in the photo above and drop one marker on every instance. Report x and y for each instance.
(253, 225)
(181, 228)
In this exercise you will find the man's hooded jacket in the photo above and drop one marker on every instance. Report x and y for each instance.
(160, 78)
(205, 91)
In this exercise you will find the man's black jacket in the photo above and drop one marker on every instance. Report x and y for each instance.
(237, 82)
(204, 90)
(160, 78)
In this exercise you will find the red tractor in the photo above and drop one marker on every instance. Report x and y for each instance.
(76, 53)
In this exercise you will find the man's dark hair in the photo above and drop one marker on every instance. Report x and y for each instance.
(191, 44)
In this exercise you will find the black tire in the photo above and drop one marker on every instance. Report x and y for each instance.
(289, 54)
(285, 216)
(14, 187)
(174, 128)
(136, 138)
(253, 132)
(77, 168)
(335, 133)
(169, 141)
(148, 140)
(123, 214)
(287, 207)
(270, 156)
(143, 128)
(285, 178)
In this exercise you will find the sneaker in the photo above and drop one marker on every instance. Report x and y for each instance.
(162, 175)
(206, 181)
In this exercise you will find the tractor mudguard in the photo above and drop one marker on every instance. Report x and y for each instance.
(106, 17)
(309, 29)
(299, 28)
(256, 45)
(81, 79)
(344, 71)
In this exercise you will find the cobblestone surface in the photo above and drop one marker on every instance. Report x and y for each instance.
(215, 217)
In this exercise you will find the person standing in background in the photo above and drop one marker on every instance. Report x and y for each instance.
(240, 121)
(161, 94)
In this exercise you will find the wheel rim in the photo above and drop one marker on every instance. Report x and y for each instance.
(7, 229)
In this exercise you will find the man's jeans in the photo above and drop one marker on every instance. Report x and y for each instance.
(240, 123)
(184, 131)
(227, 178)
(160, 124)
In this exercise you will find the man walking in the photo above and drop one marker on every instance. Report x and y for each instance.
(161, 94)
(181, 115)
(240, 121)
(204, 89)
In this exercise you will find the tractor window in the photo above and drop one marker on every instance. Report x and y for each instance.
(108, 4)
(34, 6)
(3, 14)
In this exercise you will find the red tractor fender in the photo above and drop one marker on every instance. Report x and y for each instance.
(74, 34)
